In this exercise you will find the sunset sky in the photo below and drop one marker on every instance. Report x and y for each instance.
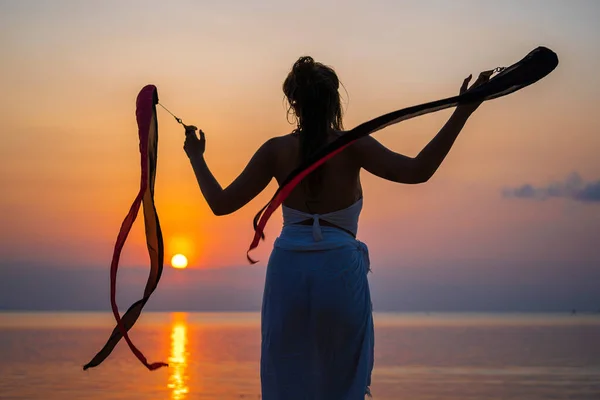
(511, 221)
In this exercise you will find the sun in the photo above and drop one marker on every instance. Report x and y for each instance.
(179, 261)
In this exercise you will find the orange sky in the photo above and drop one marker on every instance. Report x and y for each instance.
(70, 73)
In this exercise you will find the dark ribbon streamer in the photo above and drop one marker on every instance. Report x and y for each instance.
(533, 67)
(536, 65)
(148, 134)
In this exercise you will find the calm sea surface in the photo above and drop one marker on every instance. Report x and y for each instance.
(216, 356)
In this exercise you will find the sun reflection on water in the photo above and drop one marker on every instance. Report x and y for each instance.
(178, 359)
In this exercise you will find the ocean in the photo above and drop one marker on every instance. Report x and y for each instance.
(418, 356)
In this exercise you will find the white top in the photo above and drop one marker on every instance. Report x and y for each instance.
(346, 218)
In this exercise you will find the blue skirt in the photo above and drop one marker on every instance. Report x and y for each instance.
(317, 320)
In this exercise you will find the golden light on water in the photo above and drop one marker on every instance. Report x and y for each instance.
(178, 361)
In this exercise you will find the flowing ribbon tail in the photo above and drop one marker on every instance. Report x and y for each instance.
(533, 67)
(148, 133)
(123, 233)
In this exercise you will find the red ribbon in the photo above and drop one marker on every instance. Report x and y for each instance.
(148, 134)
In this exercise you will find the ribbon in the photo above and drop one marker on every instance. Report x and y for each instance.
(536, 65)
(533, 67)
(148, 134)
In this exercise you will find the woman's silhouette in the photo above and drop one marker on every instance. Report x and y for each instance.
(317, 324)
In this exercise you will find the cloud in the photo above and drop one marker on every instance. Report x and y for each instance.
(573, 188)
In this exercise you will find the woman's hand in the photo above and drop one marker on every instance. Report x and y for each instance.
(483, 78)
(193, 145)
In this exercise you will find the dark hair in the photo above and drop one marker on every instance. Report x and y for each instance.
(311, 89)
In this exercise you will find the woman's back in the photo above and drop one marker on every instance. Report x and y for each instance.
(339, 185)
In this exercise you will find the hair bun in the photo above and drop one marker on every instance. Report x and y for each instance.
(304, 70)
(304, 63)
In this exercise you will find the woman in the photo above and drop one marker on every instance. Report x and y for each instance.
(317, 324)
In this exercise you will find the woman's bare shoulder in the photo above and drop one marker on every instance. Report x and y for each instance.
(284, 139)
(290, 140)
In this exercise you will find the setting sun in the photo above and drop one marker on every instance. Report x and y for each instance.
(179, 261)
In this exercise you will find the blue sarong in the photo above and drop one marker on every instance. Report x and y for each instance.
(317, 320)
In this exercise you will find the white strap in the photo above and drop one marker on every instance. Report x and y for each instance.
(316, 228)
